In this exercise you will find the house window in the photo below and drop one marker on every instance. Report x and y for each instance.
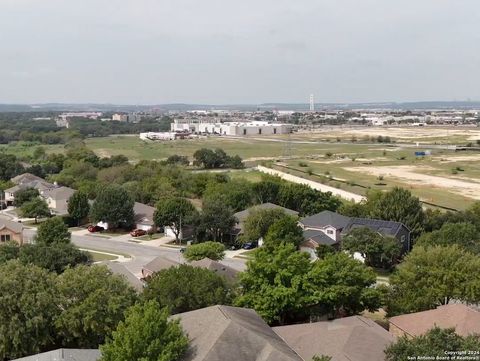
(402, 239)
(329, 231)
(5, 238)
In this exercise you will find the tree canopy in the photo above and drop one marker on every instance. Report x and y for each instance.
(36, 208)
(25, 195)
(433, 276)
(435, 343)
(78, 206)
(147, 334)
(93, 301)
(52, 232)
(114, 206)
(213, 250)
(216, 220)
(187, 288)
(398, 205)
(175, 213)
(377, 250)
(284, 229)
(465, 235)
(259, 221)
(283, 286)
(28, 306)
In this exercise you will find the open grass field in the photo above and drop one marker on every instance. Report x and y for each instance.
(446, 178)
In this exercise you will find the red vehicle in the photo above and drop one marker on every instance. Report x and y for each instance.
(138, 233)
(93, 229)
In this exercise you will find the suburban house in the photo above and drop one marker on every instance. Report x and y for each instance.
(24, 181)
(160, 263)
(156, 265)
(65, 354)
(219, 268)
(327, 228)
(11, 231)
(119, 269)
(242, 216)
(464, 319)
(144, 216)
(57, 199)
(231, 333)
(353, 338)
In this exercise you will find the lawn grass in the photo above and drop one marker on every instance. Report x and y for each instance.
(149, 237)
(99, 257)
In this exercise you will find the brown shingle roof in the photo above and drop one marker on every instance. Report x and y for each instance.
(220, 333)
(464, 319)
(346, 339)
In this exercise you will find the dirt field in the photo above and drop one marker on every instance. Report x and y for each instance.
(409, 175)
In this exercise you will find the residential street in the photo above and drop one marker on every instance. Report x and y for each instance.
(140, 254)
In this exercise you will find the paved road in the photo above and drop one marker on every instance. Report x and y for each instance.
(140, 254)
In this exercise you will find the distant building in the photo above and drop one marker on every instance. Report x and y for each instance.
(163, 135)
(230, 128)
(120, 117)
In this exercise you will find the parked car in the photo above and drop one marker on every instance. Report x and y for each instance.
(250, 245)
(93, 229)
(138, 233)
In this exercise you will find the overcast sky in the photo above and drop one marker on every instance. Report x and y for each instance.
(242, 51)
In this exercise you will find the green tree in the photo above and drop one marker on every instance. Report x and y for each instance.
(178, 159)
(213, 250)
(306, 200)
(78, 206)
(433, 344)
(398, 205)
(53, 231)
(377, 250)
(93, 302)
(175, 213)
(36, 208)
(259, 221)
(323, 250)
(266, 191)
(466, 235)
(10, 166)
(39, 153)
(25, 195)
(114, 206)
(321, 358)
(285, 230)
(54, 258)
(28, 306)
(147, 334)
(216, 220)
(274, 283)
(342, 285)
(187, 288)
(236, 194)
(429, 277)
(9, 251)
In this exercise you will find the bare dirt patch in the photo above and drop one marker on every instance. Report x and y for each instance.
(409, 175)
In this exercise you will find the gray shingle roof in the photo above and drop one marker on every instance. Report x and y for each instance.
(217, 267)
(318, 237)
(325, 218)
(242, 215)
(220, 333)
(26, 178)
(65, 354)
(59, 193)
(121, 270)
(346, 339)
(13, 226)
(389, 228)
(143, 213)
